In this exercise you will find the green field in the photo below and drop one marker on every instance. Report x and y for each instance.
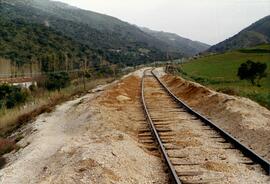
(220, 73)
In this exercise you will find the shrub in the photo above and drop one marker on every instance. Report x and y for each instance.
(57, 81)
(2, 162)
(6, 146)
(263, 98)
(32, 87)
(228, 90)
(10, 96)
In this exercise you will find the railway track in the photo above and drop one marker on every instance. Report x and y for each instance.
(194, 150)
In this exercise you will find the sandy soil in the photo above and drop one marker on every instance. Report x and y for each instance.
(93, 139)
(246, 120)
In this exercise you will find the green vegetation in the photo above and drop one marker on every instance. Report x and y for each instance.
(23, 42)
(220, 73)
(10, 96)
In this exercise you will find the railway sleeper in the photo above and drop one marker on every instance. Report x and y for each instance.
(150, 147)
(167, 141)
(164, 134)
(167, 138)
(163, 123)
(147, 141)
(144, 130)
(247, 162)
(177, 156)
(200, 181)
(145, 137)
(189, 173)
(182, 163)
(162, 127)
(164, 130)
(145, 134)
(169, 146)
(162, 119)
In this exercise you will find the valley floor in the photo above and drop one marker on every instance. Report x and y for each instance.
(94, 139)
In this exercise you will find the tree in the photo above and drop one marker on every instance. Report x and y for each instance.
(252, 71)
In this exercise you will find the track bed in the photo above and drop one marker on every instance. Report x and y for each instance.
(196, 152)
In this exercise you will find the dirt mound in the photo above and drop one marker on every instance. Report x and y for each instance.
(243, 118)
(126, 90)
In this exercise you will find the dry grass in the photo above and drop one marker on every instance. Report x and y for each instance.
(43, 101)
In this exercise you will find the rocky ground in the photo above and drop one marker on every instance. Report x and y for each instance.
(95, 138)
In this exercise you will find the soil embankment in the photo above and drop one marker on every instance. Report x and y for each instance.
(246, 120)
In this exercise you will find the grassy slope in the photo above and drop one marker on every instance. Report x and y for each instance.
(220, 72)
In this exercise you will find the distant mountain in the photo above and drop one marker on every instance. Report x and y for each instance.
(184, 45)
(257, 33)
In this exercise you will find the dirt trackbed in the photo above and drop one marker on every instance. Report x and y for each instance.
(244, 119)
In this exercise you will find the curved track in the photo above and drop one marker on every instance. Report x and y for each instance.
(193, 148)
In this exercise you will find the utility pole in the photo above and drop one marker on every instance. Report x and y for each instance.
(84, 73)
(114, 72)
(30, 67)
(66, 61)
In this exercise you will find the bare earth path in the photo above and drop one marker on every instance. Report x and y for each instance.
(93, 139)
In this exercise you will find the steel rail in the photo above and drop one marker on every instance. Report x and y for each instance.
(245, 150)
(174, 177)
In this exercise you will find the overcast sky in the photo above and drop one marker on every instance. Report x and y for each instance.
(209, 21)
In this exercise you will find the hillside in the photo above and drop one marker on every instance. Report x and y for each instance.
(23, 43)
(257, 33)
(184, 45)
(116, 40)
(219, 71)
